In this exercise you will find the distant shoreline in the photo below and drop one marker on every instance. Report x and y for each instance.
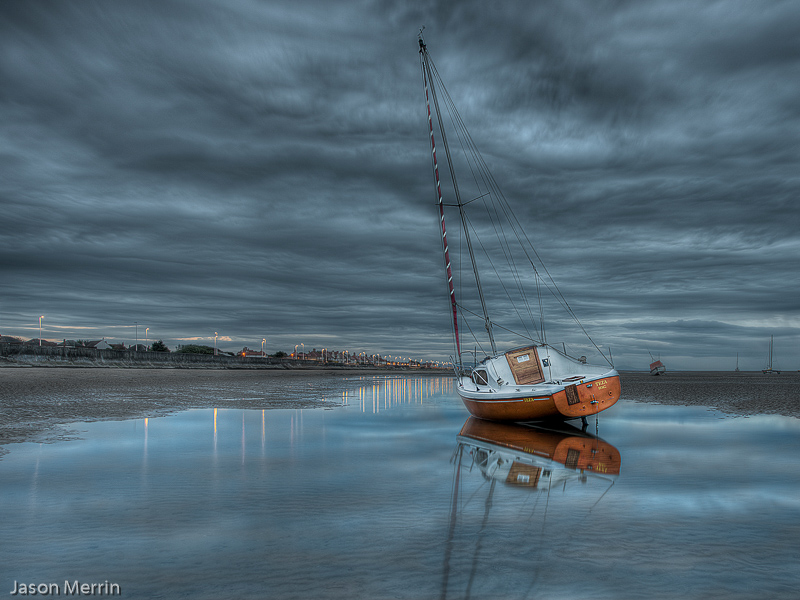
(69, 357)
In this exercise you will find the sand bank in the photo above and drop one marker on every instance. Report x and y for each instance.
(744, 393)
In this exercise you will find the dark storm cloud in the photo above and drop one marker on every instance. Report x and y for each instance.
(261, 169)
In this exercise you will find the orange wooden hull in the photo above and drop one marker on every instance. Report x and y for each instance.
(586, 399)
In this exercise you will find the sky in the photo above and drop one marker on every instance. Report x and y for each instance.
(262, 170)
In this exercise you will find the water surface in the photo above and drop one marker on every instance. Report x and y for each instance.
(382, 495)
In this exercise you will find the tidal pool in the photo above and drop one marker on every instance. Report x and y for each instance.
(392, 492)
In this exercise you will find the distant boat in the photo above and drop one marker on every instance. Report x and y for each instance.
(657, 367)
(535, 381)
(769, 370)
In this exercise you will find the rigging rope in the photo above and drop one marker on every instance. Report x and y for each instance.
(484, 180)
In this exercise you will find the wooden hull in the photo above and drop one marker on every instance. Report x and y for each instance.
(571, 402)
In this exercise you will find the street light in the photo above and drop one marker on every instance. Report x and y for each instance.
(40, 330)
(215, 343)
(303, 351)
(137, 335)
(146, 329)
(263, 341)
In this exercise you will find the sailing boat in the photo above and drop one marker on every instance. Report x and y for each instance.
(769, 370)
(535, 381)
(657, 367)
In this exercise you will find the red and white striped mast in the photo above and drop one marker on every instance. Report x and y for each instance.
(426, 76)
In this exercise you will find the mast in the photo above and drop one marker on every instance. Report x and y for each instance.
(446, 248)
(428, 76)
(771, 339)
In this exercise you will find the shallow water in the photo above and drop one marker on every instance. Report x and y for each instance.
(379, 496)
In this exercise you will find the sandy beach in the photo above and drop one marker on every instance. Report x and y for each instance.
(33, 400)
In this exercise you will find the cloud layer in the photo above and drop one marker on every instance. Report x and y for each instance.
(261, 169)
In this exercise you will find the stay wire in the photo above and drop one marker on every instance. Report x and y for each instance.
(515, 224)
(499, 278)
(468, 147)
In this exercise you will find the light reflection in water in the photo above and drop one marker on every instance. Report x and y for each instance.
(144, 456)
(377, 394)
(35, 478)
(373, 394)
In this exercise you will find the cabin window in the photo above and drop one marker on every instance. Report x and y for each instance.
(480, 377)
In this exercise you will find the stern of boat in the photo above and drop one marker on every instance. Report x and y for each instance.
(584, 399)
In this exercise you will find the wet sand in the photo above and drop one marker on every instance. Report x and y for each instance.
(744, 393)
(34, 400)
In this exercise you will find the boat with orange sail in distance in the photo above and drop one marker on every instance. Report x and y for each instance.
(535, 380)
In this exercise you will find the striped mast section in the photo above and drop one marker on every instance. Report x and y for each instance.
(452, 291)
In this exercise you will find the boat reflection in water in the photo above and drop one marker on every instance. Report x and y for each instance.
(536, 457)
(554, 475)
